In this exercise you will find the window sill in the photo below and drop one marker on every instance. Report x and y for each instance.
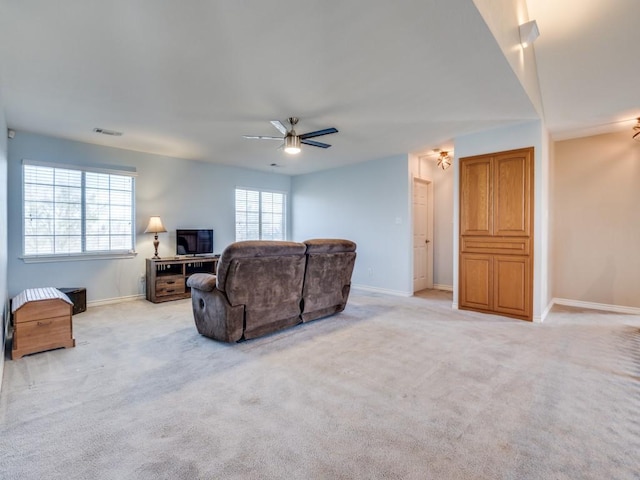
(77, 257)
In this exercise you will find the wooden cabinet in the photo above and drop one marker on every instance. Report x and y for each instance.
(166, 279)
(496, 233)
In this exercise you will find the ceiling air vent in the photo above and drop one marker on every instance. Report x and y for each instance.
(104, 131)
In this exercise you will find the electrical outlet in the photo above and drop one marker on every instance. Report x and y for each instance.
(370, 271)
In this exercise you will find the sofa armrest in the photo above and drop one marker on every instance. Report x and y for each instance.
(202, 281)
(215, 318)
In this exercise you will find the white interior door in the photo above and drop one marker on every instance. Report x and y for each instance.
(422, 235)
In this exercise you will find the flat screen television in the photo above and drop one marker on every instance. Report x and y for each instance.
(195, 241)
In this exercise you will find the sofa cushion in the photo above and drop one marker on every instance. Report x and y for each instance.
(327, 277)
(265, 277)
(253, 248)
(329, 245)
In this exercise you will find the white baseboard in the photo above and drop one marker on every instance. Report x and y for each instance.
(596, 306)
(395, 293)
(111, 301)
(446, 288)
(540, 319)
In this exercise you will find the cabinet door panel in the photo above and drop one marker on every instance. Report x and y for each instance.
(476, 279)
(512, 285)
(43, 332)
(511, 194)
(498, 245)
(475, 197)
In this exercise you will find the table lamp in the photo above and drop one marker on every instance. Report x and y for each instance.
(155, 226)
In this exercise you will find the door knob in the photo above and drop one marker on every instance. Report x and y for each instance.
(426, 241)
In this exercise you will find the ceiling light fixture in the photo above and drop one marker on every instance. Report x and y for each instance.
(292, 144)
(444, 160)
(636, 136)
(528, 33)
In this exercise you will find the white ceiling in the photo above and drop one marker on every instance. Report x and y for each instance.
(587, 69)
(188, 79)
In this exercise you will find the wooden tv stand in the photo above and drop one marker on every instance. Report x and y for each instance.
(166, 278)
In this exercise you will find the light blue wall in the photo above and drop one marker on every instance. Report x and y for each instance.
(369, 204)
(443, 225)
(4, 305)
(528, 134)
(186, 194)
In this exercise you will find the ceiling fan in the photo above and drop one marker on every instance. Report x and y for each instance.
(444, 159)
(291, 139)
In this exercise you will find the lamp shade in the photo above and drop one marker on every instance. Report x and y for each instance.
(155, 225)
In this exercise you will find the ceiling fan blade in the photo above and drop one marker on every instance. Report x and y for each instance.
(261, 137)
(315, 144)
(278, 124)
(318, 133)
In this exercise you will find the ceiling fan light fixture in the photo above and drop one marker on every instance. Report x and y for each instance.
(292, 141)
(444, 160)
(636, 129)
(292, 144)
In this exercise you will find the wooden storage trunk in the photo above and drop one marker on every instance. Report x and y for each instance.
(41, 321)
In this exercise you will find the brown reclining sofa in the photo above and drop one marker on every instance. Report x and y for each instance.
(264, 286)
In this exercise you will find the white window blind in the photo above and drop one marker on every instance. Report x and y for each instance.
(69, 211)
(260, 215)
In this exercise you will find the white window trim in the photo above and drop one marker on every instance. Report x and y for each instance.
(72, 257)
(124, 171)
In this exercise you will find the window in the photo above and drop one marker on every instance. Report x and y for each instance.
(260, 215)
(71, 211)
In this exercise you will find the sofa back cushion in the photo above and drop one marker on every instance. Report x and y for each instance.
(329, 245)
(253, 249)
(266, 277)
(328, 276)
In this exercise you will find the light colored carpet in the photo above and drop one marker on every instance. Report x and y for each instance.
(391, 388)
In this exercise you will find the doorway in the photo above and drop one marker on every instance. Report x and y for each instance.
(422, 234)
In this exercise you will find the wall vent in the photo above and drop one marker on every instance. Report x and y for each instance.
(104, 131)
